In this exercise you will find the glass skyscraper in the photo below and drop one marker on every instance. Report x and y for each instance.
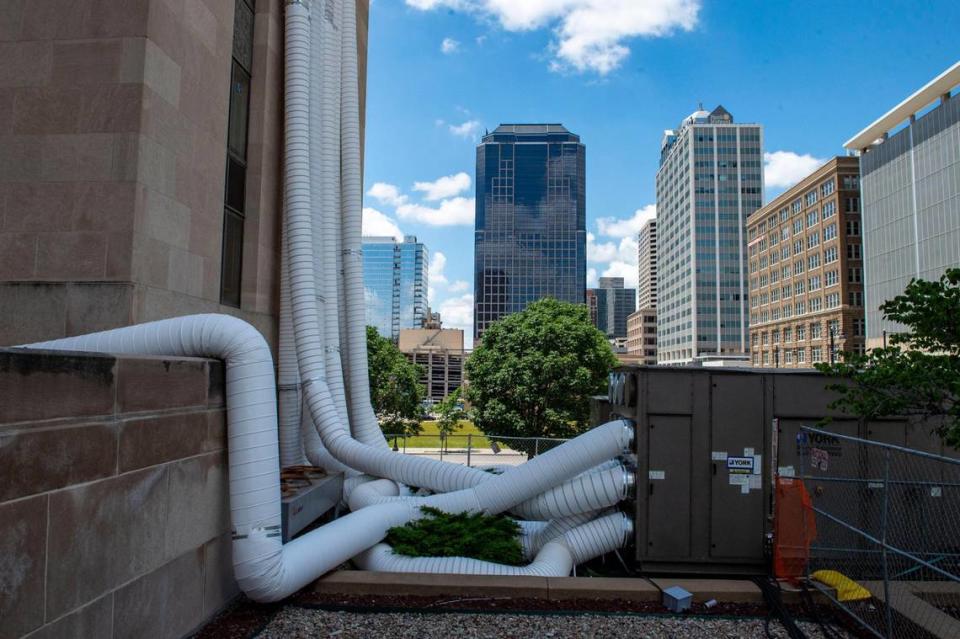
(395, 279)
(530, 239)
(710, 180)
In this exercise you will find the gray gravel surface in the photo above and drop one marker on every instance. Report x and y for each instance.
(293, 622)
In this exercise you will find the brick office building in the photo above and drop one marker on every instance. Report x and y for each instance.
(806, 270)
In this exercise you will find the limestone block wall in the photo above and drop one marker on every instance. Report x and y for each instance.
(114, 517)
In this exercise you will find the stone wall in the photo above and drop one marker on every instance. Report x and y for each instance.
(114, 518)
(113, 125)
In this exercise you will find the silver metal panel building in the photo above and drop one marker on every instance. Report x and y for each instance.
(910, 191)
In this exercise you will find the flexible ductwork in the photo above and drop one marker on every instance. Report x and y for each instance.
(587, 493)
(575, 477)
(601, 487)
(363, 422)
(288, 381)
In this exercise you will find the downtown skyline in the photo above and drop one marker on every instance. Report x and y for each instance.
(443, 72)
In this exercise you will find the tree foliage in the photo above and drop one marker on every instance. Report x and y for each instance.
(395, 388)
(534, 372)
(493, 538)
(450, 412)
(918, 373)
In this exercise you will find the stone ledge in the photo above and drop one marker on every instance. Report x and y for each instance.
(360, 582)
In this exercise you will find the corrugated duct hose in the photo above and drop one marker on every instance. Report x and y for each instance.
(323, 342)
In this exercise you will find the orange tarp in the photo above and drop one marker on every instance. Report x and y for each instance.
(794, 529)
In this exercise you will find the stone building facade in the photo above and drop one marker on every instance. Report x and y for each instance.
(115, 124)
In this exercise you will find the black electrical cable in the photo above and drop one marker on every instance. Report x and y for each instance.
(811, 607)
(633, 573)
(772, 595)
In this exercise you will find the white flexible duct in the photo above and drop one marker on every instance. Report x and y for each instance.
(324, 159)
(537, 536)
(265, 570)
(586, 493)
(556, 559)
(363, 422)
(288, 381)
(600, 487)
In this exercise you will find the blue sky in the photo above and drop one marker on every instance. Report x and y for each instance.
(618, 72)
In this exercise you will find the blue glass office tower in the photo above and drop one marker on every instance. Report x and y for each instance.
(530, 240)
(395, 279)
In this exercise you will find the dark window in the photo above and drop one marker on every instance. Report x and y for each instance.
(235, 180)
(232, 258)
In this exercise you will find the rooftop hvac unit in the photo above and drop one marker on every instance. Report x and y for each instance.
(709, 443)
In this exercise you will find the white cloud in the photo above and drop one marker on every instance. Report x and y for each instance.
(444, 187)
(376, 223)
(452, 212)
(468, 129)
(617, 258)
(387, 194)
(457, 312)
(438, 262)
(626, 270)
(589, 35)
(619, 227)
(459, 286)
(783, 169)
(449, 45)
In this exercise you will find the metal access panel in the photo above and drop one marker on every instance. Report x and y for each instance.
(738, 461)
(668, 486)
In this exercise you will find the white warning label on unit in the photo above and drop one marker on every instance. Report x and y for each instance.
(757, 464)
(748, 452)
(740, 465)
(718, 455)
(755, 482)
(657, 474)
(786, 471)
(739, 480)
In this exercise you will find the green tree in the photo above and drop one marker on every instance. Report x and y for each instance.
(918, 374)
(395, 388)
(449, 413)
(534, 372)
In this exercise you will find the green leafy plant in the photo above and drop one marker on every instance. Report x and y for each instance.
(918, 374)
(534, 371)
(438, 534)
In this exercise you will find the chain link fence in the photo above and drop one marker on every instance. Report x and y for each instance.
(887, 536)
(474, 449)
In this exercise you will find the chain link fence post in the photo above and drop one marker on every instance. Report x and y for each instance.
(888, 609)
(469, 448)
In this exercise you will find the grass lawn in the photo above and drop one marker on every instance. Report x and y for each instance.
(429, 437)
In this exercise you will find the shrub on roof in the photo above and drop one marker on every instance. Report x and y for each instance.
(493, 538)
